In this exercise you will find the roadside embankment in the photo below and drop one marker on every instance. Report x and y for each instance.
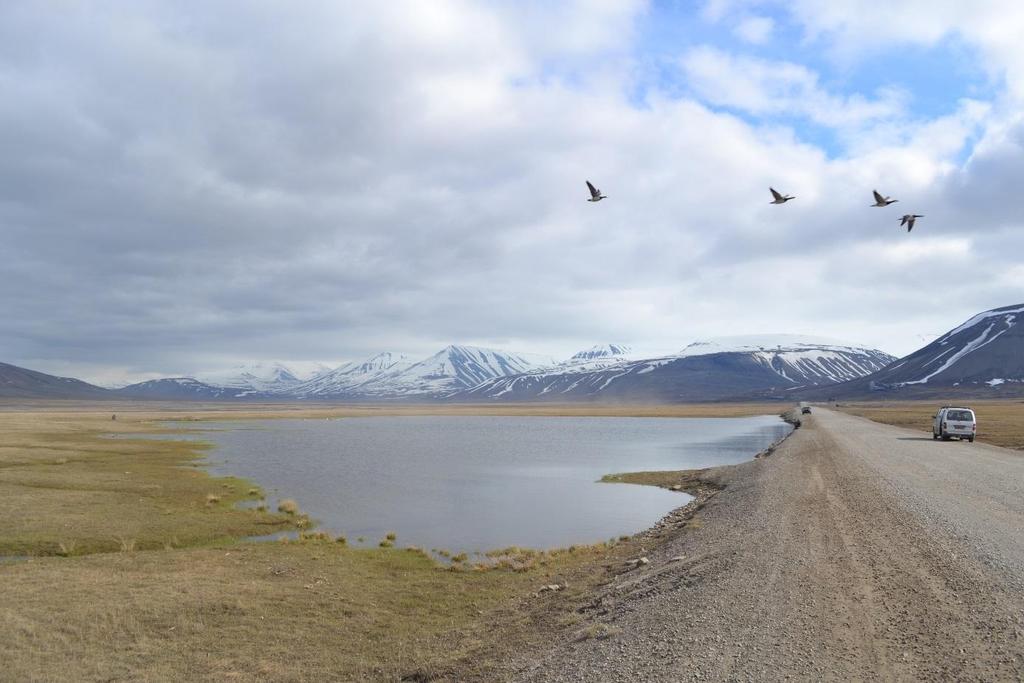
(857, 551)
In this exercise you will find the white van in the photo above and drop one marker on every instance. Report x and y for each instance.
(958, 422)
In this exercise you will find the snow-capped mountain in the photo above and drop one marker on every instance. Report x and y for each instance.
(180, 388)
(983, 356)
(800, 359)
(345, 379)
(257, 378)
(307, 370)
(387, 376)
(457, 367)
(706, 370)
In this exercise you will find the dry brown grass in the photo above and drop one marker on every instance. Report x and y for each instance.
(999, 422)
(63, 480)
(261, 611)
(676, 480)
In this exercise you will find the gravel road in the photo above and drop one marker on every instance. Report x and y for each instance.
(856, 551)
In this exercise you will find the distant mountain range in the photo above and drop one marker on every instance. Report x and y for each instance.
(388, 376)
(709, 370)
(984, 356)
(255, 378)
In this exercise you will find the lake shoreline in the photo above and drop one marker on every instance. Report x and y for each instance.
(576, 616)
(476, 483)
(417, 617)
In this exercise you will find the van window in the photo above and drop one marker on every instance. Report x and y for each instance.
(959, 415)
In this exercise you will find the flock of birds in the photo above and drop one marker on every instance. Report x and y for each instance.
(908, 219)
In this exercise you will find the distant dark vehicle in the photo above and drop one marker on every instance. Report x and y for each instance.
(958, 422)
(805, 409)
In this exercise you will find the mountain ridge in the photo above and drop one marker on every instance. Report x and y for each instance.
(981, 357)
(704, 370)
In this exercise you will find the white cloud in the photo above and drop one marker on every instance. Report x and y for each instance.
(761, 87)
(851, 29)
(755, 30)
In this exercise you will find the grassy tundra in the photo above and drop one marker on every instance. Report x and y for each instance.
(123, 559)
(999, 422)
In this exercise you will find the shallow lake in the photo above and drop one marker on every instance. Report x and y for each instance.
(479, 483)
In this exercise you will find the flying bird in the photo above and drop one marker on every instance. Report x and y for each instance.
(779, 198)
(595, 194)
(908, 220)
(882, 201)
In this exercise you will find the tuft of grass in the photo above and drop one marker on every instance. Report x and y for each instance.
(127, 544)
(570, 619)
(288, 507)
(341, 540)
(212, 499)
(385, 543)
(600, 631)
(67, 548)
(254, 492)
(391, 536)
(461, 557)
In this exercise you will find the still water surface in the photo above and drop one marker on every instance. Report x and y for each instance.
(479, 483)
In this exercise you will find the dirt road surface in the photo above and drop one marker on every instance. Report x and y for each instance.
(856, 551)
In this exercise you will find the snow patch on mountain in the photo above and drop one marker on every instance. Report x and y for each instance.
(349, 377)
(258, 377)
(763, 343)
(1009, 316)
(959, 350)
(602, 351)
(973, 345)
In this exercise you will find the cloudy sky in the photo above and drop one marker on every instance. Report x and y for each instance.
(184, 186)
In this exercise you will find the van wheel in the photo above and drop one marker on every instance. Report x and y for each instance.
(971, 439)
(946, 437)
(935, 437)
